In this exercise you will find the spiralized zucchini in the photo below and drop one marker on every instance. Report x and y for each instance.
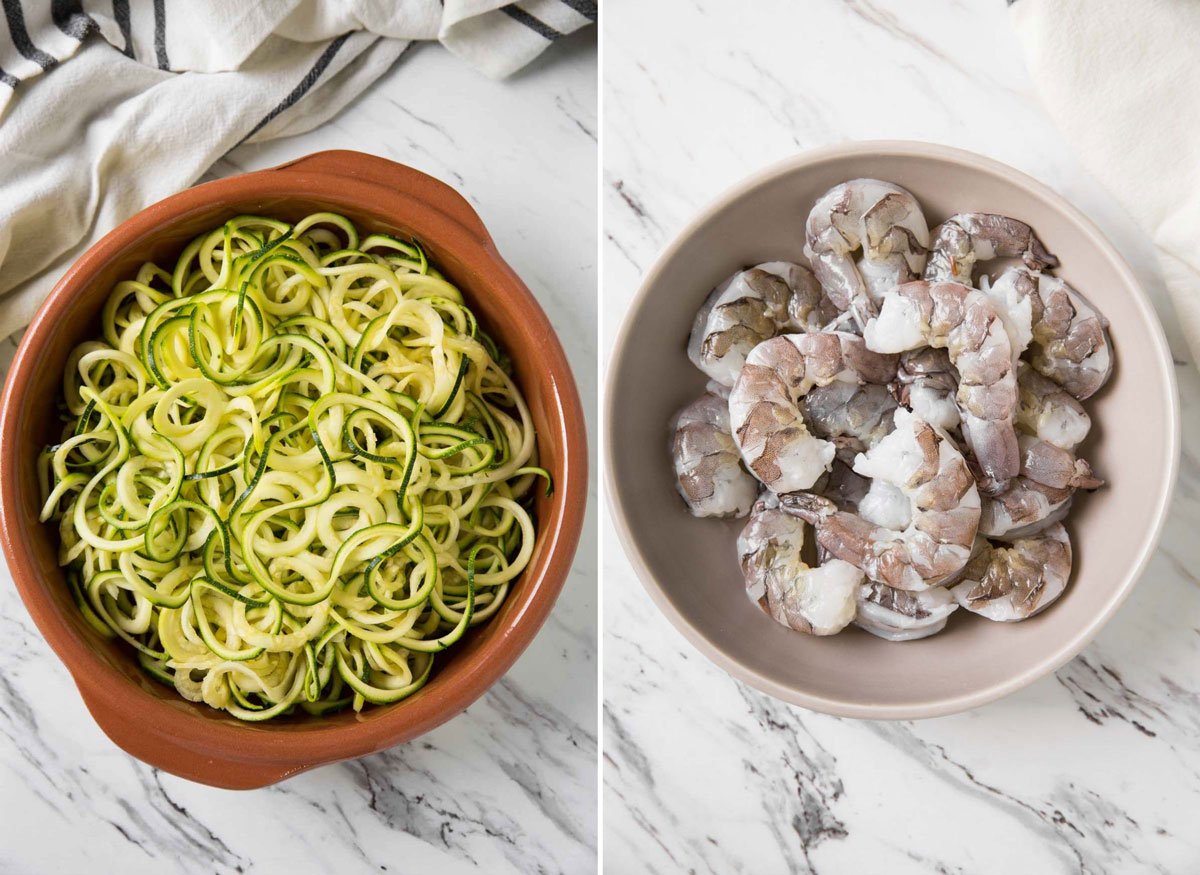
(294, 469)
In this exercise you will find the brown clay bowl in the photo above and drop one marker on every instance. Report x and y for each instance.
(151, 721)
(689, 566)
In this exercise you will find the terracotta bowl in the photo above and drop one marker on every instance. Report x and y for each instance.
(149, 720)
(689, 565)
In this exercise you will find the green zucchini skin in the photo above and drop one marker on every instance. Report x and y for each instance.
(292, 469)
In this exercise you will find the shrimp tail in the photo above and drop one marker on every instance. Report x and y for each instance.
(807, 506)
(846, 536)
(1037, 257)
(1084, 477)
(999, 457)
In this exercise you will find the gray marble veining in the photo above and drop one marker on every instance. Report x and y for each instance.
(510, 785)
(1095, 769)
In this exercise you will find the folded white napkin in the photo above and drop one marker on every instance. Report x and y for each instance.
(107, 106)
(1122, 80)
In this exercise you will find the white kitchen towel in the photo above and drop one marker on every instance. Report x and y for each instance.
(107, 106)
(1122, 81)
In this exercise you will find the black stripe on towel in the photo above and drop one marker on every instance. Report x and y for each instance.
(587, 8)
(121, 14)
(70, 18)
(20, 36)
(160, 34)
(8, 79)
(306, 84)
(516, 13)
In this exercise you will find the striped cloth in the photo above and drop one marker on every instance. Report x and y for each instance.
(107, 106)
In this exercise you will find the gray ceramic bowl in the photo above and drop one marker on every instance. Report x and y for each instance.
(689, 565)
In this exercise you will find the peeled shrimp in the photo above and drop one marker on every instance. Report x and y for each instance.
(764, 412)
(885, 222)
(1012, 582)
(819, 601)
(751, 306)
(708, 468)
(897, 615)
(964, 240)
(923, 464)
(927, 384)
(969, 326)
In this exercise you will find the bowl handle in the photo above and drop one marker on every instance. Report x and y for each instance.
(407, 180)
(146, 744)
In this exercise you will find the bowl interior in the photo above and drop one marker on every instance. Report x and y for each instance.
(690, 565)
(38, 424)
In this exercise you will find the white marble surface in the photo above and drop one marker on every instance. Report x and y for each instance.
(1095, 769)
(507, 787)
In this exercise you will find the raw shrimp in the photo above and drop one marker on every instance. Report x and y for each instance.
(751, 306)
(885, 222)
(1070, 340)
(851, 416)
(1049, 477)
(897, 615)
(1066, 336)
(708, 468)
(1013, 582)
(925, 466)
(927, 383)
(968, 325)
(819, 601)
(768, 424)
(1055, 424)
(964, 240)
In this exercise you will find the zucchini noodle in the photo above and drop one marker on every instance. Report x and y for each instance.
(294, 469)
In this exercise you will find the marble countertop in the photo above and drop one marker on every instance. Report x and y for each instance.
(509, 786)
(1095, 769)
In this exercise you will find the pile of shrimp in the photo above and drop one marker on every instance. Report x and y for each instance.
(913, 398)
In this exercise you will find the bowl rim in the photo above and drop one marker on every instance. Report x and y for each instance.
(935, 707)
(102, 686)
